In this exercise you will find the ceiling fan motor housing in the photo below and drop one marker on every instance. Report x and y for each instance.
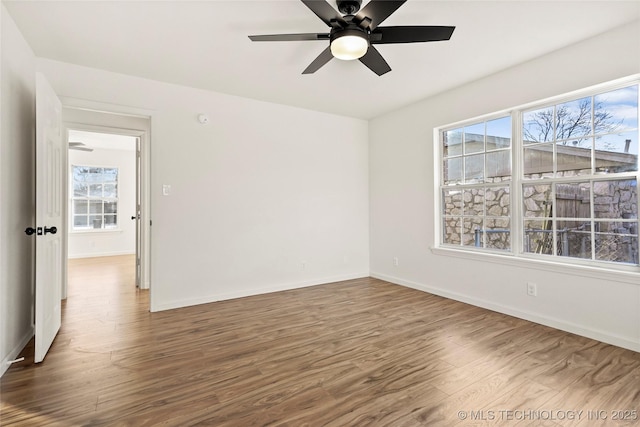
(350, 30)
(349, 7)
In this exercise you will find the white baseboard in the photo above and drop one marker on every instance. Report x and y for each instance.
(526, 315)
(253, 291)
(15, 352)
(99, 254)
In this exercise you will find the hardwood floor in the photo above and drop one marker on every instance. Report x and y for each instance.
(354, 353)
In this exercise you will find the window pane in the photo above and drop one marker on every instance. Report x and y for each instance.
(498, 166)
(80, 206)
(573, 200)
(574, 157)
(452, 171)
(95, 206)
(110, 221)
(497, 233)
(574, 239)
(538, 161)
(451, 231)
(110, 207)
(110, 190)
(473, 202)
(474, 168)
(497, 201)
(79, 173)
(537, 126)
(537, 237)
(573, 119)
(616, 242)
(95, 190)
(452, 202)
(616, 111)
(110, 175)
(94, 175)
(617, 153)
(80, 221)
(536, 200)
(615, 199)
(474, 138)
(452, 142)
(80, 189)
(95, 221)
(499, 133)
(469, 233)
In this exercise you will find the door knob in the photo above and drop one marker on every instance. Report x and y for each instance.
(30, 230)
(52, 230)
(133, 217)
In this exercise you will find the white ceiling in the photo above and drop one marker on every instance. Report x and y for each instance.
(204, 44)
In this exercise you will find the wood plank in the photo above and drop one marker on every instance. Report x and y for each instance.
(358, 352)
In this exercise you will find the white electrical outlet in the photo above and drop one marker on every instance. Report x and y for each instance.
(395, 261)
(532, 289)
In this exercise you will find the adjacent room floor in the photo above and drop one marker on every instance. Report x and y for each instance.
(360, 352)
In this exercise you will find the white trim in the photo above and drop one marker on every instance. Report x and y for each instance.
(145, 173)
(106, 108)
(13, 354)
(255, 291)
(631, 276)
(526, 315)
(97, 231)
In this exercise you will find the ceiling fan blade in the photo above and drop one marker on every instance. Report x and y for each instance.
(289, 37)
(377, 11)
(375, 61)
(325, 12)
(317, 63)
(412, 34)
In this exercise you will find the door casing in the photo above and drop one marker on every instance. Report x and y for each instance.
(103, 119)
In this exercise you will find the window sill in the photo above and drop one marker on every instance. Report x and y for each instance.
(97, 231)
(630, 274)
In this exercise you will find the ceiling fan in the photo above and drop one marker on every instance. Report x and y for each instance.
(353, 34)
(80, 146)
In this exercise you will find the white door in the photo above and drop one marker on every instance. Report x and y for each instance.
(49, 228)
(137, 216)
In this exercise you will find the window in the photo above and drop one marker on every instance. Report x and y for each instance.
(94, 204)
(477, 184)
(570, 193)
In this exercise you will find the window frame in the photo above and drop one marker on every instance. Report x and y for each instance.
(516, 254)
(73, 198)
(475, 184)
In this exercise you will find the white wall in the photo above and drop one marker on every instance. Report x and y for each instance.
(402, 199)
(16, 190)
(108, 242)
(265, 197)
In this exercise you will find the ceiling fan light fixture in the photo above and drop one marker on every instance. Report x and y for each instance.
(349, 45)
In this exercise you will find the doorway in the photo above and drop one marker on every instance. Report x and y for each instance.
(104, 197)
(107, 209)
